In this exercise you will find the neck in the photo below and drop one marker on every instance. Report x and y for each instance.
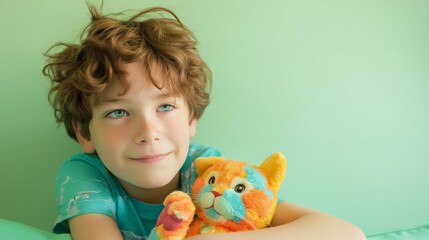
(152, 195)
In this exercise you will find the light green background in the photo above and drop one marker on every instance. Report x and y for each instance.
(340, 87)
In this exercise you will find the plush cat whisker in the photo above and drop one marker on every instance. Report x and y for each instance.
(193, 196)
(264, 222)
(249, 222)
(243, 218)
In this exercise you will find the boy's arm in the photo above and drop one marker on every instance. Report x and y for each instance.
(94, 226)
(297, 223)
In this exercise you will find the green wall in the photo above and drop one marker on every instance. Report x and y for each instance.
(340, 87)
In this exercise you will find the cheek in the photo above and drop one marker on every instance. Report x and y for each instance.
(107, 139)
(258, 201)
(179, 125)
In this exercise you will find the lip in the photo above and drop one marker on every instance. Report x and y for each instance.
(150, 158)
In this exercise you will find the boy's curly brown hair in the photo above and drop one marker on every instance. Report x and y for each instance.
(79, 72)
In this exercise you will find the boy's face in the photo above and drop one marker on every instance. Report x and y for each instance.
(143, 136)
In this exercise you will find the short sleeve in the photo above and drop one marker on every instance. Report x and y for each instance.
(82, 186)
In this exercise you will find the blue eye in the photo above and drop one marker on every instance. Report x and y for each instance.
(165, 108)
(117, 113)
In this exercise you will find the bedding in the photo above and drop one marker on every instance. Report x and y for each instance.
(14, 230)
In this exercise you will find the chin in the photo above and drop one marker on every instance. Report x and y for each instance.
(159, 183)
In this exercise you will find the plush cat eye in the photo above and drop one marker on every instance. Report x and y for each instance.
(240, 188)
(212, 180)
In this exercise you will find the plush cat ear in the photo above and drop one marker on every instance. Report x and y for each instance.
(202, 163)
(274, 168)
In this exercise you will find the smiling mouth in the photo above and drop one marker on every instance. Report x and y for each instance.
(150, 158)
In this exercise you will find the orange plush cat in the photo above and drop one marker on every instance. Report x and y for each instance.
(228, 196)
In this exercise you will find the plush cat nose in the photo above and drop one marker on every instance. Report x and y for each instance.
(216, 194)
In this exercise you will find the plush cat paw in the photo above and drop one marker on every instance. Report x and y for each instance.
(174, 220)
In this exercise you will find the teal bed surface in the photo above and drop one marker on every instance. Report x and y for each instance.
(13, 230)
(17, 231)
(419, 233)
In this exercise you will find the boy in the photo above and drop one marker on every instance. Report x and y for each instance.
(131, 94)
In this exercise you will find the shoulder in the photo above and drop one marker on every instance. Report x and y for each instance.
(87, 158)
(82, 164)
(196, 151)
(82, 171)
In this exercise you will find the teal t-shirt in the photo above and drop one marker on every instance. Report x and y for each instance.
(84, 185)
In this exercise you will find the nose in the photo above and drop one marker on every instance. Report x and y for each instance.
(147, 130)
(216, 194)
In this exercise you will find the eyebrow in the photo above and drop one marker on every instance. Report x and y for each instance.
(99, 101)
(107, 100)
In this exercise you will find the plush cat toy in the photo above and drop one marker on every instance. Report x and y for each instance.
(228, 196)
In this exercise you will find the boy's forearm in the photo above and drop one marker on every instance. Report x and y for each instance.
(309, 227)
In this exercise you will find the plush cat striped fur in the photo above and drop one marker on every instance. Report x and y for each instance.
(227, 196)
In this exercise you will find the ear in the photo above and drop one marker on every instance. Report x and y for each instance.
(193, 127)
(203, 163)
(274, 168)
(84, 141)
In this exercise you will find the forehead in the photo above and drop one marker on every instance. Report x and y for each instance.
(136, 74)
